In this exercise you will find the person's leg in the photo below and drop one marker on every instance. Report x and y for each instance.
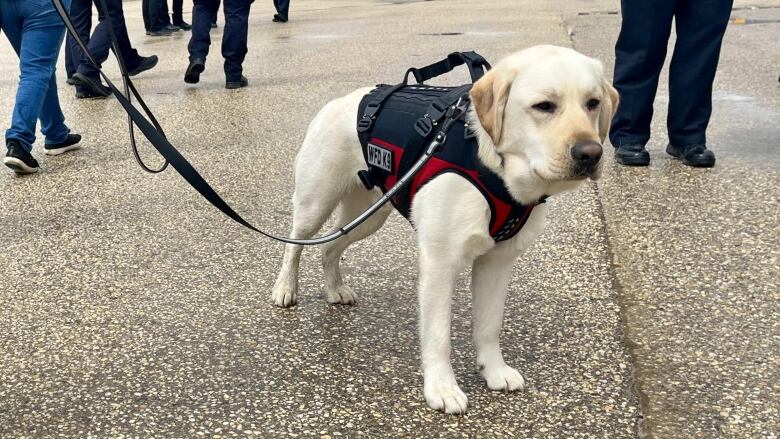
(155, 12)
(178, 12)
(640, 52)
(81, 15)
(700, 26)
(165, 14)
(101, 41)
(282, 7)
(145, 13)
(36, 35)
(204, 12)
(234, 39)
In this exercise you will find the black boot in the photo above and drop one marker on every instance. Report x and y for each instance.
(196, 67)
(632, 155)
(697, 156)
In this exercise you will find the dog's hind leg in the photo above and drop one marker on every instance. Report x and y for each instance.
(352, 205)
(491, 274)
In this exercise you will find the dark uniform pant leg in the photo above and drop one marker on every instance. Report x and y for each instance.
(639, 57)
(204, 12)
(100, 43)
(81, 15)
(700, 26)
(282, 7)
(177, 11)
(234, 39)
(164, 14)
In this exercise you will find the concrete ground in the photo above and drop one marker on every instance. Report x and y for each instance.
(131, 308)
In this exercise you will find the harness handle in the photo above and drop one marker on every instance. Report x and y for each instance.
(475, 62)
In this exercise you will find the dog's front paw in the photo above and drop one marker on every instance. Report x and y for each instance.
(503, 377)
(445, 395)
(284, 295)
(342, 295)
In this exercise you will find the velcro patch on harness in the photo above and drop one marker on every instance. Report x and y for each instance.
(380, 157)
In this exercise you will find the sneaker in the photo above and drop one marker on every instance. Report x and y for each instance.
(89, 88)
(18, 159)
(241, 83)
(632, 155)
(183, 25)
(196, 67)
(697, 156)
(70, 144)
(146, 63)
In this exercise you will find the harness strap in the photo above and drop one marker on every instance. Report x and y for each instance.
(374, 106)
(438, 109)
(441, 107)
(475, 62)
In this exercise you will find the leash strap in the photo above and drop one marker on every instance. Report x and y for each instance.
(151, 129)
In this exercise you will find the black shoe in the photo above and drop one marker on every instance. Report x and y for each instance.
(214, 25)
(88, 88)
(196, 67)
(241, 83)
(70, 144)
(183, 25)
(164, 32)
(146, 63)
(172, 27)
(697, 156)
(70, 81)
(279, 18)
(18, 159)
(632, 155)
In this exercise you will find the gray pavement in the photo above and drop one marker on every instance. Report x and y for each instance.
(130, 308)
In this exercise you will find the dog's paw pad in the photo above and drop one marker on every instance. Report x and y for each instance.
(446, 397)
(284, 296)
(503, 378)
(342, 295)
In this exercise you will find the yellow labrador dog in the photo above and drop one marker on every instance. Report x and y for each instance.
(540, 115)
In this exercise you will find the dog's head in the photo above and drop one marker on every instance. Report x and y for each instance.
(543, 114)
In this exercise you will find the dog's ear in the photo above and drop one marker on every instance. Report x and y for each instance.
(489, 96)
(608, 110)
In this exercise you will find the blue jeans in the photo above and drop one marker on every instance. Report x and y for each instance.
(35, 32)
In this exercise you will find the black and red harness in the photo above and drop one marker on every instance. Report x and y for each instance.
(397, 122)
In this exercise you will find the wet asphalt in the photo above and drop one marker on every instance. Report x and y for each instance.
(131, 308)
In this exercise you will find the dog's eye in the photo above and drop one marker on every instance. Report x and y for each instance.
(593, 104)
(545, 107)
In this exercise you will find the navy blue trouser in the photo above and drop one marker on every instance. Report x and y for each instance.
(640, 53)
(100, 42)
(234, 36)
(282, 7)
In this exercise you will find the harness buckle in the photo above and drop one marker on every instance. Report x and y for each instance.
(424, 126)
(364, 124)
(468, 133)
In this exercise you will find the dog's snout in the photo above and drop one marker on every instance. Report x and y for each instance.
(586, 153)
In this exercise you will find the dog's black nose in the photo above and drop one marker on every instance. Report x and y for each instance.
(586, 154)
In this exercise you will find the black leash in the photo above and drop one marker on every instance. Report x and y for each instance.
(153, 132)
